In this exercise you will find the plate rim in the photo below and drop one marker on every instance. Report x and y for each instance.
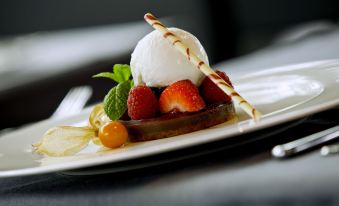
(248, 127)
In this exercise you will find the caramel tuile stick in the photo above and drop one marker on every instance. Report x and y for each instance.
(195, 60)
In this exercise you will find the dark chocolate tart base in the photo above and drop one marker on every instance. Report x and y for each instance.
(180, 123)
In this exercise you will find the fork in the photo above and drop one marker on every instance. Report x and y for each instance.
(73, 102)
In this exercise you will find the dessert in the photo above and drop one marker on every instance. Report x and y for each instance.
(175, 124)
(168, 90)
(155, 63)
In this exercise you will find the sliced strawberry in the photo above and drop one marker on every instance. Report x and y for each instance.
(142, 103)
(212, 93)
(182, 96)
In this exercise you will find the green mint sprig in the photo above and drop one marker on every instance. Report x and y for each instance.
(115, 102)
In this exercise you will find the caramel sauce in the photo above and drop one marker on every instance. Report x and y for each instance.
(173, 124)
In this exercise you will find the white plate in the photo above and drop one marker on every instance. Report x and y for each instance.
(282, 94)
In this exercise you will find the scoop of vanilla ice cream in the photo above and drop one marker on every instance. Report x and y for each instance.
(156, 63)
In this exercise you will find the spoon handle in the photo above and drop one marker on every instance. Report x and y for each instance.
(300, 145)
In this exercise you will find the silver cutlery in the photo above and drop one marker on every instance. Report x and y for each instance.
(72, 103)
(300, 145)
(329, 150)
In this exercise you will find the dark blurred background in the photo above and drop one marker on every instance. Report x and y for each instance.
(48, 47)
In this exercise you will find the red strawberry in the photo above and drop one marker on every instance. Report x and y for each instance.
(212, 93)
(142, 103)
(182, 96)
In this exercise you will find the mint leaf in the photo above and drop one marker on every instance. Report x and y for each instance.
(132, 83)
(121, 72)
(105, 75)
(115, 102)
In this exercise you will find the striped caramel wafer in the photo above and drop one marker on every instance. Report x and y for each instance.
(195, 60)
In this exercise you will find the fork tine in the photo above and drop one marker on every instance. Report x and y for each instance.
(73, 102)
